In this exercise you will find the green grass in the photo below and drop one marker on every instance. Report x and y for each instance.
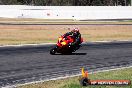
(73, 82)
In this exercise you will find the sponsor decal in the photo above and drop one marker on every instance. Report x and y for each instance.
(85, 81)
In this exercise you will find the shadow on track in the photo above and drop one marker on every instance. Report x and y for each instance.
(72, 54)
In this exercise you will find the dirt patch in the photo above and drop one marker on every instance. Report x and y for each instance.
(21, 34)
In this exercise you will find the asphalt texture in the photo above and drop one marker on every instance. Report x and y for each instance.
(61, 23)
(68, 23)
(20, 65)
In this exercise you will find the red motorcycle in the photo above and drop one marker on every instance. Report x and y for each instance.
(64, 46)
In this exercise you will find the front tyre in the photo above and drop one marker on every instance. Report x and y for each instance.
(53, 51)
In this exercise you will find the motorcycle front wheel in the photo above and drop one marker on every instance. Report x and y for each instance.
(53, 51)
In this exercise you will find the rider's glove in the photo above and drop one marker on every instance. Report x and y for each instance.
(66, 38)
(71, 44)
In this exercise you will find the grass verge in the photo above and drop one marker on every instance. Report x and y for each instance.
(35, 34)
(74, 83)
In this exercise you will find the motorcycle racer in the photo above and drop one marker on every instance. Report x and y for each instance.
(68, 43)
(77, 36)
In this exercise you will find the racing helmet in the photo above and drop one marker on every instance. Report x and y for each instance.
(76, 30)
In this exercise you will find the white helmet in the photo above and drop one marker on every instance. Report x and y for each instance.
(75, 30)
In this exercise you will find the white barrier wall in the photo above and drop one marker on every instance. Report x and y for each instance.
(66, 12)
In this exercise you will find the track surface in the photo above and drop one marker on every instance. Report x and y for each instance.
(33, 63)
(61, 23)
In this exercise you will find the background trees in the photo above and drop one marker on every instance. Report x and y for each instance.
(67, 2)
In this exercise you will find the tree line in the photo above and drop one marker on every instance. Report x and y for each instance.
(66, 2)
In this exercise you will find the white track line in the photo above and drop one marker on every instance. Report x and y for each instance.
(14, 86)
(67, 75)
(20, 45)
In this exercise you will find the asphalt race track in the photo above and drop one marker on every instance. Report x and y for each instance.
(32, 63)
